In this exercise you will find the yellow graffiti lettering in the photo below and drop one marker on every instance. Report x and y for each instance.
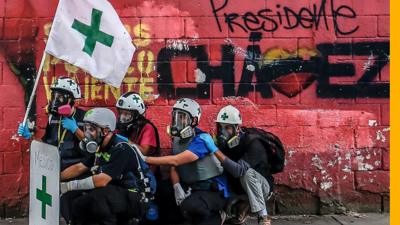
(306, 52)
(92, 88)
(55, 61)
(115, 91)
(141, 59)
(142, 35)
(95, 89)
(46, 65)
(130, 82)
(145, 90)
(47, 86)
(130, 70)
(275, 54)
(279, 53)
(128, 28)
(47, 28)
(71, 69)
(86, 88)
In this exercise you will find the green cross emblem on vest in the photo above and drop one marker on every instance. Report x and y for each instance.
(43, 196)
(93, 33)
(136, 98)
(224, 116)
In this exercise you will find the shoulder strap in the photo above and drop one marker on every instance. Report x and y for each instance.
(134, 150)
(141, 170)
(156, 131)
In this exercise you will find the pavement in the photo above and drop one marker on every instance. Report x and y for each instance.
(349, 219)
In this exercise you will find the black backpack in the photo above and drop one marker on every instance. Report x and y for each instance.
(273, 146)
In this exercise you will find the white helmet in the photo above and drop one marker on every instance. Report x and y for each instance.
(67, 84)
(190, 106)
(230, 115)
(183, 113)
(102, 117)
(131, 101)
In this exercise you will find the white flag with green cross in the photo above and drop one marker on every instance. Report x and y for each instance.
(89, 34)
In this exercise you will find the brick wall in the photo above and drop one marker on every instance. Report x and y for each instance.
(314, 72)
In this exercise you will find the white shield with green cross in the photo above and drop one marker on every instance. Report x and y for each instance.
(44, 204)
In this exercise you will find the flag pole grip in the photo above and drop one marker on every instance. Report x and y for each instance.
(28, 108)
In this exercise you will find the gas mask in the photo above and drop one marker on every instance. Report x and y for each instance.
(60, 103)
(225, 139)
(181, 124)
(89, 143)
(127, 121)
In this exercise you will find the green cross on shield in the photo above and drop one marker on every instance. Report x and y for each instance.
(44, 197)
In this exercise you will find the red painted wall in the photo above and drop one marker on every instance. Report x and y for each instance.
(315, 72)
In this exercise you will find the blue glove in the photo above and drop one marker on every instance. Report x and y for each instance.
(69, 124)
(24, 131)
(212, 148)
(123, 138)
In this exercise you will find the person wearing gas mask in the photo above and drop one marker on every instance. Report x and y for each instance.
(133, 124)
(115, 192)
(64, 127)
(138, 130)
(246, 163)
(199, 187)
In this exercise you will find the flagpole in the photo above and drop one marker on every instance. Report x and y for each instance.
(28, 108)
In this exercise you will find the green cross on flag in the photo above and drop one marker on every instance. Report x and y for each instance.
(92, 38)
(92, 32)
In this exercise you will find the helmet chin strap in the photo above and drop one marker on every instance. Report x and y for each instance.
(106, 138)
(194, 122)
